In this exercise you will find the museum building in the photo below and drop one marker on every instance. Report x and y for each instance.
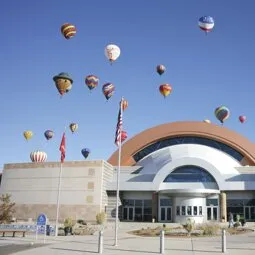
(169, 173)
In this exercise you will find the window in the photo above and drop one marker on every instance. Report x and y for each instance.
(189, 173)
(200, 210)
(183, 210)
(189, 210)
(195, 210)
(177, 210)
(211, 202)
(188, 140)
(165, 202)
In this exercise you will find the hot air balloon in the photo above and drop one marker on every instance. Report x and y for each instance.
(91, 81)
(242, 118)
(207, 121)
(165, 89)
(206, 23)
(73, 127)
(28, 134)
(63, 82)
(48, 134)
(123, 136)
(85, 152)
(222, 113)
(124, 104)
(38, 156)
(108, 90)
(112, 52)
(161, 69)
(68, 30)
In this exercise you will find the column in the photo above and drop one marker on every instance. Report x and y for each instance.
(223, 207)
(155, 205)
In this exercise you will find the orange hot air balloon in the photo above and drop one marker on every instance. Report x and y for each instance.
(165, 89)
(124, 104)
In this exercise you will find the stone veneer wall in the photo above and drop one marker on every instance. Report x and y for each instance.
(86, 212)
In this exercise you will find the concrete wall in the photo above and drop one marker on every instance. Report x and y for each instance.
(34, 188)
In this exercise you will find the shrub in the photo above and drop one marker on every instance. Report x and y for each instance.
(82, 222)
(189, 226)
(101, 218)
(210, 229)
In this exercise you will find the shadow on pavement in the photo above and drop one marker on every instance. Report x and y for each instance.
(13, 248)
(66, 249)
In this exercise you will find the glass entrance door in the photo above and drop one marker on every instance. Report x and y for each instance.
(249, 212)
(212, 213)
(128, 213)
(165, 213)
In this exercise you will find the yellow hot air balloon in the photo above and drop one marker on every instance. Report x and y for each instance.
(28, 134)
(165, 89)
(207, 121)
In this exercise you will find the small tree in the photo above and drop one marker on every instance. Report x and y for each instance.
(189, 226)
(101, 218)
(6, 208)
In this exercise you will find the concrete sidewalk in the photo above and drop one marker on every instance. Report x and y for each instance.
(133, 245)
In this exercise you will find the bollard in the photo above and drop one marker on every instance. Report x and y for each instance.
(223, 241)
(162, 242)
(100, 242)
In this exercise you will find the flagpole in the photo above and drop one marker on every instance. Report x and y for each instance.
(58, 199)
(118, 184)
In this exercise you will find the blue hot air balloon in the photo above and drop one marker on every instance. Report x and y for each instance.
(85, 152)
(48, 134)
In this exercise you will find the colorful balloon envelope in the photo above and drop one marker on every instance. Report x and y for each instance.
(85, 152)
(91, 81)
(124, 103)
(165, 89)
(207, 121)
(73, 127)
(112, 52)
(161, 69)
(123, 135)
(222, 113)
(48, 134)
(63, 83)
(68, 30)
(108, 90)
(28, 134)
(38, 156)
(206, 23)
(242, 118)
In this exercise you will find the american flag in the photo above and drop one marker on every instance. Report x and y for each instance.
(119, 126)
(62, 148)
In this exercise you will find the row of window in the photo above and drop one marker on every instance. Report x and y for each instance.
(189, 210)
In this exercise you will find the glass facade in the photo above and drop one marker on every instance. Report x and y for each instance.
(188, 140)
(189, 173)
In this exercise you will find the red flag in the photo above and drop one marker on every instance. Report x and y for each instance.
(62, 148)
(119, 127)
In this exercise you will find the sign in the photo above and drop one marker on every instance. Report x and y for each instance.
(42, 219)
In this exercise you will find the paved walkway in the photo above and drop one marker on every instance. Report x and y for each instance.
(127, 244)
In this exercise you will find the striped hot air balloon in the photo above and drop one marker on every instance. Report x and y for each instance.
(38, 156)
(108, 90)
(206, 23)
(222, 113)
(68, 30)
(91, 81)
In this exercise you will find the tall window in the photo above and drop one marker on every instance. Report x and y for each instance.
(189, 173)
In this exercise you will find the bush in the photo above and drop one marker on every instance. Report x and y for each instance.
(189, 226)
(101, 218)
(68, 222)
(82, 222)
(210, 229)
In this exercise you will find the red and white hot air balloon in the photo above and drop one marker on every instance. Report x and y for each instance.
(242, 118)
(38, 156)
(123, 136)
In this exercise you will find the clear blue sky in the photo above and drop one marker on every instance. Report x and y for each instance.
(204, 71)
